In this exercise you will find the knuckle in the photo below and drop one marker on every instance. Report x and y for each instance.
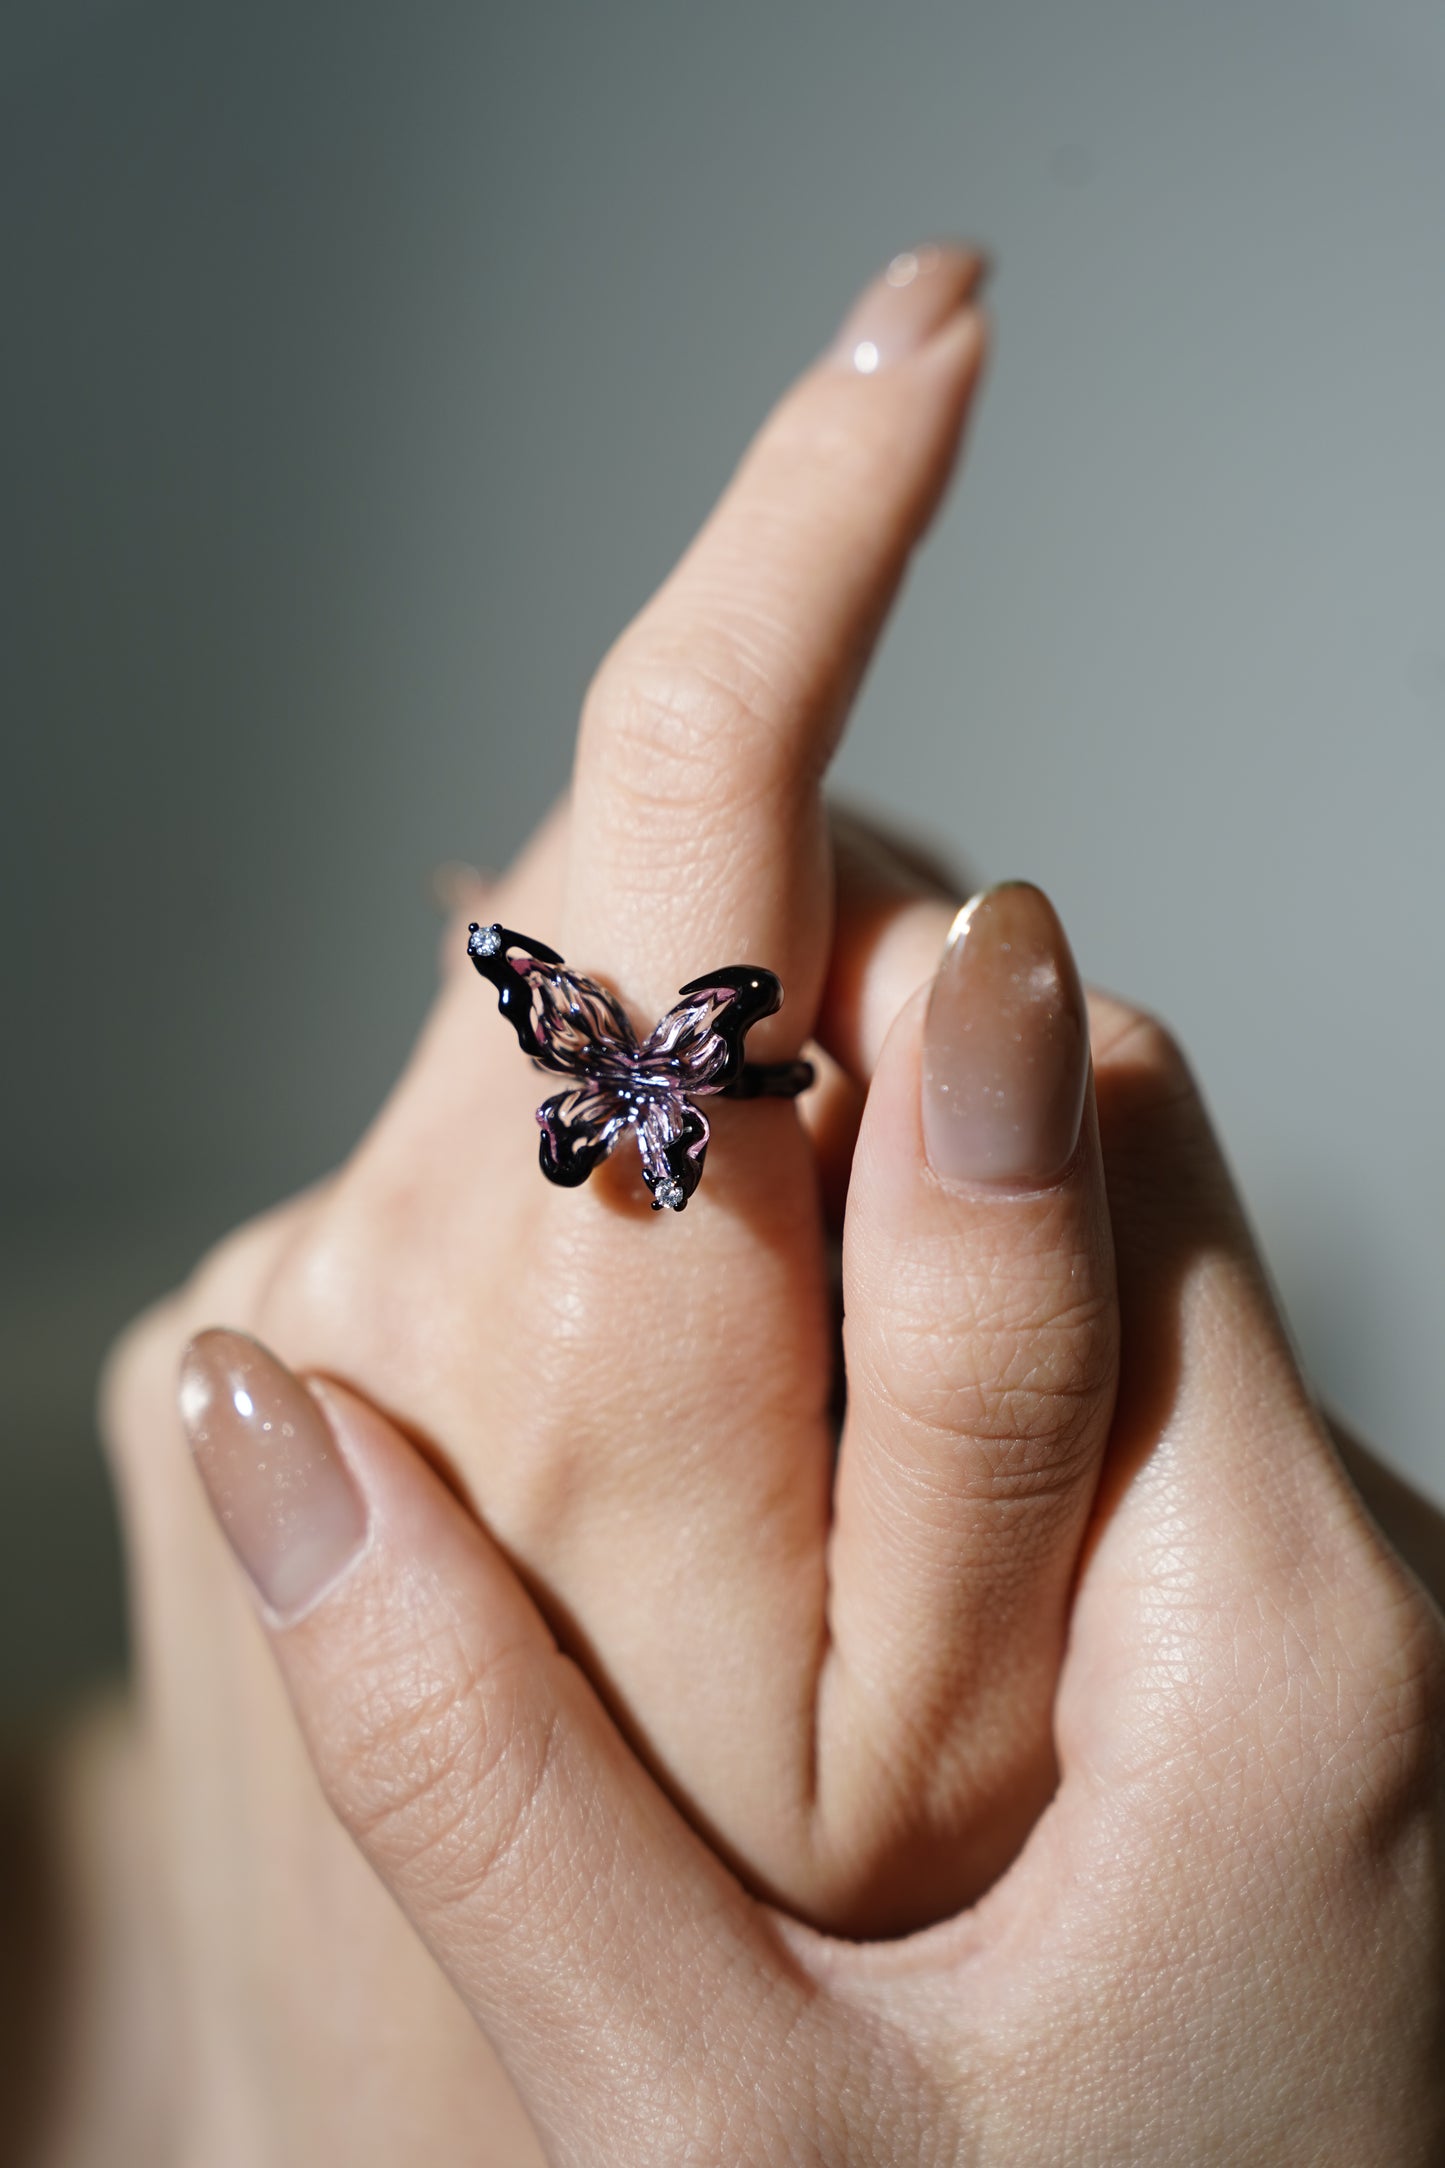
(1340, 1661)
(136, 1395)
(1150, 1105)
(224, 1288)
(1382, 1722)
(1134, 1041)
(674, 721)
(328, 1277)
(326, 1283)
(437, 1765)
(334, 1290)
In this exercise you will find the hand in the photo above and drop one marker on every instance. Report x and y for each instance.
(1223, 1940)
(642, 1408)
(503, 1322)
(428, 1271)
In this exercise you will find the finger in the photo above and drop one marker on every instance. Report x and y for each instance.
(699, 836)
(895, 900)
(589, 1932)
(895, 903)
(436, 1095)
(1229, 1544)
(981, 1343)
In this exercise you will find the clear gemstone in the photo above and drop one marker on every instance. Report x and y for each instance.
(670, 1195)
(486, 941)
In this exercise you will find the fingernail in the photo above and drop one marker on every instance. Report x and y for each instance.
(918, 292)
(1005, 1044)
(277, 1484)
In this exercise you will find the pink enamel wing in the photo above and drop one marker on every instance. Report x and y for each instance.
(575, 1029)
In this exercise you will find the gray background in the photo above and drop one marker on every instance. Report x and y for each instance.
(363, 367)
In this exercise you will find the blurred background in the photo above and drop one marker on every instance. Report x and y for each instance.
(363, 368)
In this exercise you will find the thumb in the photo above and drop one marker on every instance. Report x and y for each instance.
(590, 1933)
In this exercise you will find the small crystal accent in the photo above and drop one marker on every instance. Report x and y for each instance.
(670, 1195)
(485, 940)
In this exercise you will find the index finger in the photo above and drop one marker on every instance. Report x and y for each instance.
(698, 835)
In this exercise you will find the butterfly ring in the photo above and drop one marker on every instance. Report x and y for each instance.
(576, 1029)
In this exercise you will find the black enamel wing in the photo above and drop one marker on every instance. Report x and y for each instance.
(616, 1082)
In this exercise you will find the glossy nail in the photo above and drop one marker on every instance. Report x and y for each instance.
(277, 1484)
(1005, 1044)
(917, 294)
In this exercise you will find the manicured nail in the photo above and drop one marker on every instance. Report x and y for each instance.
(913, 298)
(1005, 1044)
(277, 1484)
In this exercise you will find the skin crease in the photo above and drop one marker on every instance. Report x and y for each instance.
(1191, 1861)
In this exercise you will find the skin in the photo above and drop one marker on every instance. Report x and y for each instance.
(1088, 1663)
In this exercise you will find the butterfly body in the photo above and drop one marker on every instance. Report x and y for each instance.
(617, 1083)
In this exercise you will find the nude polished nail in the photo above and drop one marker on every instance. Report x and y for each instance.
(277, 1484)
(1005, 1044)
(918, 293)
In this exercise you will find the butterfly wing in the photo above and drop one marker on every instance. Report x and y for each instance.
(574, 1027)
(579, 1128)
(672, 1142)
(700, 1040)
(697, 1050)
(565, 1022)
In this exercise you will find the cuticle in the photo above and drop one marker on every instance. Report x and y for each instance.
(282, 1621)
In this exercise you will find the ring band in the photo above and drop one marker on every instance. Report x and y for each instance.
(576, 1029)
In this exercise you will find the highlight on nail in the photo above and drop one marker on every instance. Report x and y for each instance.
(910, 263)
(918, 291)
(277, 1482)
